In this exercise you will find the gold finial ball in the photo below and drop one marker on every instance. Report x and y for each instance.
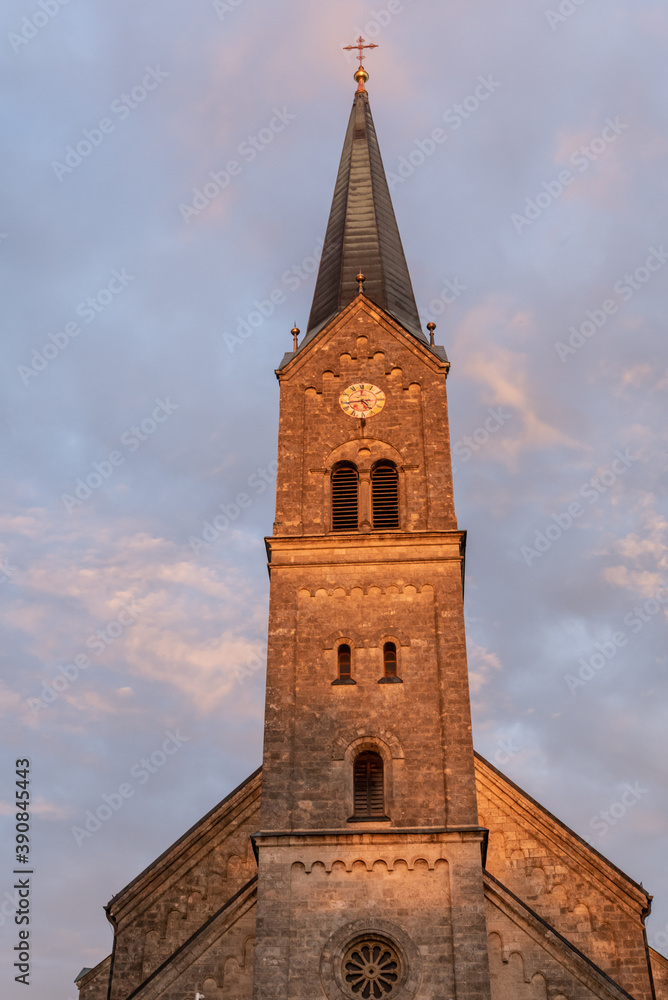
(361, 76)
(295, 331)
(431, 327)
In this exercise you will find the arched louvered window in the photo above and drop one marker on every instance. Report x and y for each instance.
(385, 496)
(368, 782)
(390, 659)
(344, 662)
(344, 498)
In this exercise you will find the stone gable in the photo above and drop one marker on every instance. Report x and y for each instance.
(565, 924)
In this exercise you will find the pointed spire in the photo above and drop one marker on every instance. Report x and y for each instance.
(362, 233)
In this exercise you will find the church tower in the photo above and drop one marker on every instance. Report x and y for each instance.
(370, 855)
(354, 864)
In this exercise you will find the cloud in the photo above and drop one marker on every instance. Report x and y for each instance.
(481, 664)
(39, 807)
(645, 569)
(505, 376)
(136, 607)
(201, 619)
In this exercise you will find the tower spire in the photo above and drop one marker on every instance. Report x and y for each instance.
(362, 232)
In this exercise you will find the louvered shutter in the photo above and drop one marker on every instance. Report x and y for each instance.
(344, 499)
(368, 785)
(385, 497)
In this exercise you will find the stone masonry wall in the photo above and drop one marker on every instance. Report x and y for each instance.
(565, 883)
(171, 901)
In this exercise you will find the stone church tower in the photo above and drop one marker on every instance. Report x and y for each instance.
(374, 855)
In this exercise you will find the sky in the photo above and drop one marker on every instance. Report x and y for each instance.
(167, 174)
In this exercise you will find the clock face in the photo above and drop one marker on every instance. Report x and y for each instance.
(362, 400)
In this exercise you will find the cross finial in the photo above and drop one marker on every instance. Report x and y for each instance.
(360, 46)
(361, 74)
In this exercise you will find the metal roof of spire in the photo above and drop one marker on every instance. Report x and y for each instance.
(362, 232)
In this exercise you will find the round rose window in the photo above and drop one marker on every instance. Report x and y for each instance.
(371, 969)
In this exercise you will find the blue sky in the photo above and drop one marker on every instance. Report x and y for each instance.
(147, 304)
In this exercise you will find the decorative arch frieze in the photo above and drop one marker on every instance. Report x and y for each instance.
(388, 862)
(372, 590)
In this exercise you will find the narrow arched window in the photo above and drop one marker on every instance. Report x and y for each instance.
(385, 496)
(390, 659)
(344, 498)
(344, 662)
(368, 783)
(344, 665)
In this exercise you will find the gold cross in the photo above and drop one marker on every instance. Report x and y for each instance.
(360, 47)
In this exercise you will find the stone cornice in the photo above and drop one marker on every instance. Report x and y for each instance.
(382, 547)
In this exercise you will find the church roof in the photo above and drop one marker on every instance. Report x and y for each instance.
(362, 235)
